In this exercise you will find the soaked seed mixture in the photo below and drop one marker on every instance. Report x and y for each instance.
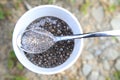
(60, 51)
(37, 40)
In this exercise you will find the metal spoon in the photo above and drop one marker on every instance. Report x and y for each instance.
(36, 41)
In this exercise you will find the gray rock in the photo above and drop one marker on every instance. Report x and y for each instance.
(106, 65)
(94, 75)
(65, 78)
(86, 69)
(101, 78)
(80, 73)
(111, 54)
(106, 44)
(115, 22)
(117, 65)
(98, 52)
(89, 56)
(73, 69)
(116, 2)
(98, 14)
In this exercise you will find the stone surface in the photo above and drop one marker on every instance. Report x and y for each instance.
(97, 19)
(98, 52)
(86, 69)
(98, 14)
(115, 22)
(117, 65)
(101, 78)
(73, 69)
(94, 75)
(106, 65)
(89, 56)
(111, 54)
(116, 2)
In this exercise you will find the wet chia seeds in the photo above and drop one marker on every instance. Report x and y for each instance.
(60, 51)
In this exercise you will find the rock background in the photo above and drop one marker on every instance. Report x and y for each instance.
(100, 58)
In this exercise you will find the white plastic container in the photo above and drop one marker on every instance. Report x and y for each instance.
(47, 10)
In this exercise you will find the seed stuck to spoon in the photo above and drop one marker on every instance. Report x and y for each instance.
(35, 40)
(40, 40)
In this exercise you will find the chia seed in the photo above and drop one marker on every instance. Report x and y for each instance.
(60, 51)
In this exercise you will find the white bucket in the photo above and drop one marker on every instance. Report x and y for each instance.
(41, 11)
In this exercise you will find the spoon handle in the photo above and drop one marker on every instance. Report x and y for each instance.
(92, 34)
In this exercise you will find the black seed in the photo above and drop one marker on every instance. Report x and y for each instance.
(60, 51)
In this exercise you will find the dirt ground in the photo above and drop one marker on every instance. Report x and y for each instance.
(94, 62)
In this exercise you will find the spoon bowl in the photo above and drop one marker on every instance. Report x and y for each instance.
(35, 41)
